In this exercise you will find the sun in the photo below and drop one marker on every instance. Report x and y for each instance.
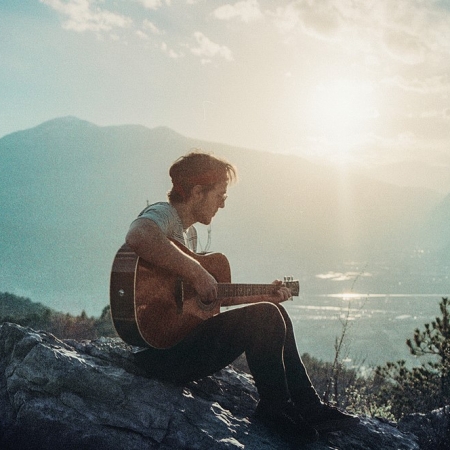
(342, 105)
(341, 111)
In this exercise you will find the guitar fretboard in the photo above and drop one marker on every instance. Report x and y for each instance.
(228, 290)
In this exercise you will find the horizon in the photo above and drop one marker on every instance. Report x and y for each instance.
(415, 174)
(356, 85)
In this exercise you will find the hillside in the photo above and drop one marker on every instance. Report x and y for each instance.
(436, 177)
(14, 306)
(24, 312)
(436, 234)
(69, 190)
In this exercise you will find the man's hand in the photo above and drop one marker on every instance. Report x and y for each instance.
(281, 293)
(206, 287)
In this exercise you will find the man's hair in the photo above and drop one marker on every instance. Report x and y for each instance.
(198, 168)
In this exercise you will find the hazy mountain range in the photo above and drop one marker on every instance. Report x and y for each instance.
(69, 190)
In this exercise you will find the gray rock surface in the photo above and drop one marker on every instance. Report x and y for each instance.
(89, 395)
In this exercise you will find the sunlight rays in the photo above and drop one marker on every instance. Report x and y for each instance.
(340, 111)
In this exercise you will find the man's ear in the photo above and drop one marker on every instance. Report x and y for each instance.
(197, 191)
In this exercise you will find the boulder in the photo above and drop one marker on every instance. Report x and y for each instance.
(90, 395)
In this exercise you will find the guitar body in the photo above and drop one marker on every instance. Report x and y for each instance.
(150, 306)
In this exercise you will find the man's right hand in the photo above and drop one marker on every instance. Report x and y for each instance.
(206, 286)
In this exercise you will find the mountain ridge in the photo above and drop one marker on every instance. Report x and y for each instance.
(70, 189)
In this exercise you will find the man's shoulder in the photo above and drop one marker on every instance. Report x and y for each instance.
(158, 207)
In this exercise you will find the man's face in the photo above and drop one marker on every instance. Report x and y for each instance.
(210, 202)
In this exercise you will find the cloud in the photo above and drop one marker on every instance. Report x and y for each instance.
(142, 35)
(286, 18)
(247, 11)
(152, 4)
(432, 85)
(408, 31)
(151, 27)
(404, 47)
(208, 49)
(83, 16)
(436, 114)
(319, 19)
(170, 52)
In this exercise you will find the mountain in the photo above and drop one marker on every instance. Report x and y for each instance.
(415, 173)
(436, 232)
(69, 190)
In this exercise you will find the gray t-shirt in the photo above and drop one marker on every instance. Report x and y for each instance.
(168, 220)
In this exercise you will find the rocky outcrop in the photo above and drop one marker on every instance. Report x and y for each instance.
(89, 395)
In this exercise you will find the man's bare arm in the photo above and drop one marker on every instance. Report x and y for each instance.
(147, 240)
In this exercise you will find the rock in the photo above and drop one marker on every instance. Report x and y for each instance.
(89, 395)
(432, 429)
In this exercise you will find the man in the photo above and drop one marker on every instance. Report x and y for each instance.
(262, 329)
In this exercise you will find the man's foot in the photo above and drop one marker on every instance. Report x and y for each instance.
(326, 418)
(286, 421)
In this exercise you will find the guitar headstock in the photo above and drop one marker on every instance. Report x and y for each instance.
(294, 286)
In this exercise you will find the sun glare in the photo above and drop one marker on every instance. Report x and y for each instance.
(341, 110)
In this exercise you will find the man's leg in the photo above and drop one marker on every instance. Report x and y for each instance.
(299, 384)
(258, 330)
(322, 417)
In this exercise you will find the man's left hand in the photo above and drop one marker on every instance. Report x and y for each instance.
(281, 293)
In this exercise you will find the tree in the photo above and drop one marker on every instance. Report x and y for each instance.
(104, 325)
(423, 388)
(434, 341)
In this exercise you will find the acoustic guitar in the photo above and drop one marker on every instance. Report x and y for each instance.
(151, 306)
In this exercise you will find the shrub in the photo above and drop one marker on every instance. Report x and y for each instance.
(423, 388)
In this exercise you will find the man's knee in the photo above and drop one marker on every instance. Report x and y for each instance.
(267, 314)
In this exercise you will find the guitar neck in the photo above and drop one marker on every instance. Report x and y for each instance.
(229, 290)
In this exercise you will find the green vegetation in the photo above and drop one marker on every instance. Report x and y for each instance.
(64, 326)
(427, 387)
(394, 390)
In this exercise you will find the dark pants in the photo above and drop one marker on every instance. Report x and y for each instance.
(262, 330)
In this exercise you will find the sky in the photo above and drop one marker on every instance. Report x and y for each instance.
(362, 82)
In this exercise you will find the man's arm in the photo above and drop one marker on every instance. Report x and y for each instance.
(148, 241)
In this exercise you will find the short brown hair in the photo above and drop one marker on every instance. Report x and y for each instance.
(198, 168)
